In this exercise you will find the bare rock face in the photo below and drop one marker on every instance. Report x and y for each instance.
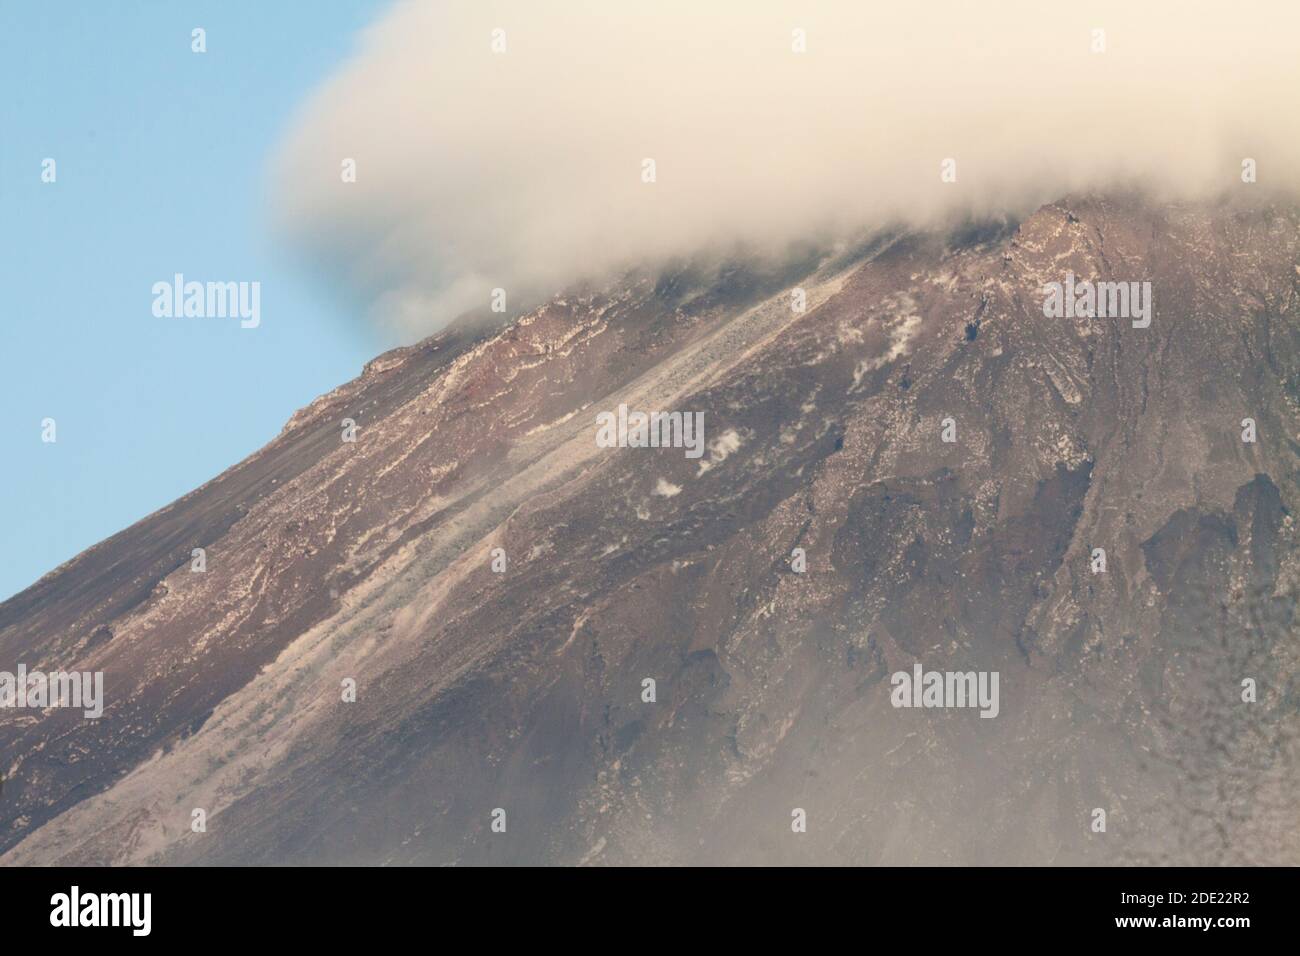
(827, 538)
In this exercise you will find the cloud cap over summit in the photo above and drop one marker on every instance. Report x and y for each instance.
(522, 168)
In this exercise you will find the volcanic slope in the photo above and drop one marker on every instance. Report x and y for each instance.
(524, 690)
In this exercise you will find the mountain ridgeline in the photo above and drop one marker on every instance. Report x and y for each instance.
(474, 634)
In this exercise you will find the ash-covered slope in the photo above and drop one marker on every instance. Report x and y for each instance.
(372, 561)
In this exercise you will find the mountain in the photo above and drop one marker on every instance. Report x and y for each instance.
(523, 690)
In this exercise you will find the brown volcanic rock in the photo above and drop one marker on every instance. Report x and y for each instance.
(522, 690)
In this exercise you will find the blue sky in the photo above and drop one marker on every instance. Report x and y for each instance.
(162, 158)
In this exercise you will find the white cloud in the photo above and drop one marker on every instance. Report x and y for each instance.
(522, 170)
